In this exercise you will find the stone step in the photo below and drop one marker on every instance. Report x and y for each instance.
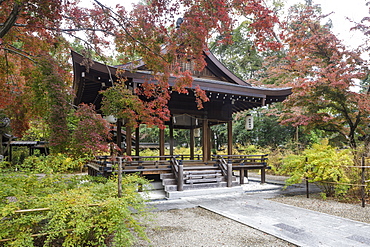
(167, 175)
(169, 181)
(203, 192)
(169, 188)
(202, 180)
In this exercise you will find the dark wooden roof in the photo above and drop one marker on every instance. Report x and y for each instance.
(227, 93)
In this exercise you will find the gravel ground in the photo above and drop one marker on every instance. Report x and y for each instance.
(195, 227)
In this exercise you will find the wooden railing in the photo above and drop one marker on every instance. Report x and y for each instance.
(226, 169)
(161, 164)
(257, 159)
(189, 157)
(243, 163)
(178, 171)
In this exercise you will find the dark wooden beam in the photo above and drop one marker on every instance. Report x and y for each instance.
(230, 137)
(205, 140)
(192, 143)
(171, 137)
(128, 140)
(137, 141)
(119, 134)
(161, 142)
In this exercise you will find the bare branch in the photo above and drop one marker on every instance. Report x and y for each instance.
(19, 53)
(125, 29)
(9, 23)
(83, 29)
(15, 25)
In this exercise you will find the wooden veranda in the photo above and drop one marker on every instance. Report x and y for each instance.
(228, 94)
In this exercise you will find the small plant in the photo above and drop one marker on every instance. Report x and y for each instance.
(70, 211)
(322, 164)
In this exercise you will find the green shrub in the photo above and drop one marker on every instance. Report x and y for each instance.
(53, 163)
(82, 210)
(322, 164)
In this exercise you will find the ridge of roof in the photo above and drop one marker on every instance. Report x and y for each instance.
(224, 69)
(211, 57)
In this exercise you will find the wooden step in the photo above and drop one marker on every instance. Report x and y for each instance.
(202, 180)
(194, 168)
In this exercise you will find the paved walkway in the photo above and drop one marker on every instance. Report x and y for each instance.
(299, 226)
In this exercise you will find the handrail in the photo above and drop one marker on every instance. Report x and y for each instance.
(222, 164)
(243, 156)
(255, 158)
(188, 156)
(226, 169)
(238, 155)
(178, 170)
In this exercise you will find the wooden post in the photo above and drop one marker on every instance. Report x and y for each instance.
(192, 144)
(10, 152)
(230, 137)
(209, 153)
(241, 176)
(137, 141)
(363, 183)
(229, 175)
(180, 178)
(128, 140)
(161, 142)
(205, 140)
(263, 175)
(120, 177)
(307, 184)
(119, 134)
(171, 137)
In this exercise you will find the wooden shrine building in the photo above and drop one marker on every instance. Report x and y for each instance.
(228, 94)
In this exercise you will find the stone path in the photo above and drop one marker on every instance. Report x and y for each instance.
(296, 225)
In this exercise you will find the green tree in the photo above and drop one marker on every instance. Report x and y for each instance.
(266, 132)
(241, 56)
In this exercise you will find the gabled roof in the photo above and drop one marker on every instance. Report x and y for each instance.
(228, 93)
(214, 66)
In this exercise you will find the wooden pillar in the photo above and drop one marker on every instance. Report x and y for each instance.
(230, 137)
(209, 153)
(205, 140)
(161, 142)
(128, 140)
(171, 137)
(241, 176)
(137, 141)
(119, 134)
(10, 152)
(192, 144)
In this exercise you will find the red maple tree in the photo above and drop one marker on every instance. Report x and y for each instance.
(323, 75)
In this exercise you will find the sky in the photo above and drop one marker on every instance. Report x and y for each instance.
(352, 9)
(342, 9)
